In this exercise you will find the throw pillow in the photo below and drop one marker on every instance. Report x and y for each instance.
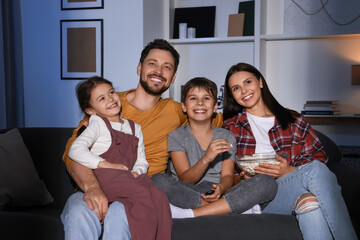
(20, 184)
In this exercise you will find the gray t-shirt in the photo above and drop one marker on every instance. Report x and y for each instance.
(182, 140)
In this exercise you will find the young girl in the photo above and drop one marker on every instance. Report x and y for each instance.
(117, 155)
(305, 184)
(202, 166)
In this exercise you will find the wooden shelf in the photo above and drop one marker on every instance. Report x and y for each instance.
(280, 37)
(212, 40)
(331, 119)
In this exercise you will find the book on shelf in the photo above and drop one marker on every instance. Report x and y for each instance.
(248, 8)
(305, 112)
(335, 102)
(321, 107)
(236, 25)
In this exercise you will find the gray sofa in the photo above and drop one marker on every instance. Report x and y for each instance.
(46, 146)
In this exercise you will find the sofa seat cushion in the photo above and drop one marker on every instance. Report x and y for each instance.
(30, 226)
(39, 210)
(237, 226)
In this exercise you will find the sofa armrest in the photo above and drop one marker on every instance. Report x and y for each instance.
(46, 147)
(331, 149)
(349, 179)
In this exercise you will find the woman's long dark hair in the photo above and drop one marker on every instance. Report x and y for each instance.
(232, 108)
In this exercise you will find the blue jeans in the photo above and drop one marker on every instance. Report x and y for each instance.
(81, 223)
(259, 189)
(330, 218)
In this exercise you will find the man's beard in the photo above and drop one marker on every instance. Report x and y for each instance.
(151, 91)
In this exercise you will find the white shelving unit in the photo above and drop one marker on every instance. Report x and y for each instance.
(211, 57)
(208, 50)
(302, 57)
(268, 20)
(212, 40)
(223, 9)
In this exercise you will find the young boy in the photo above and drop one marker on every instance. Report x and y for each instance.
(202, 166)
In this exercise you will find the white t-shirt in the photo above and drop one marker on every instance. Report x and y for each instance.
(97, 138)
(260, 127)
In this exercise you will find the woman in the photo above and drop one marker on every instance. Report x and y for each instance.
(306, 187)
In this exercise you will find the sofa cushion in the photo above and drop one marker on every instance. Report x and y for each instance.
(237, 226)
(46, 147)
(20, 184)
(15, 225)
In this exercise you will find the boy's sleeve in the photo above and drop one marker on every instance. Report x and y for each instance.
(66, 159)
(174, 142)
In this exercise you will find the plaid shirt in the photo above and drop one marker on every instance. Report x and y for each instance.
(298, 140)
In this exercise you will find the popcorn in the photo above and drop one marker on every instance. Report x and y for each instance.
(247, 163)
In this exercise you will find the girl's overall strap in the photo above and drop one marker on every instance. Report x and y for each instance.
(132, 125)
(108, 125)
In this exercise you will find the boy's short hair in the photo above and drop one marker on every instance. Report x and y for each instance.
(202, 83)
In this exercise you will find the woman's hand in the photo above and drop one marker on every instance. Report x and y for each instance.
(216, 147)
(215, 196)
(273, 170)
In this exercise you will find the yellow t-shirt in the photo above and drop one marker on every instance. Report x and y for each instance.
(156, 124)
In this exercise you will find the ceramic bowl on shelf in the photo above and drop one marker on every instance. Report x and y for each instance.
(247, 163)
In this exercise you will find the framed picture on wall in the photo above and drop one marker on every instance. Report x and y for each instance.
(81, 4)
(81, 48)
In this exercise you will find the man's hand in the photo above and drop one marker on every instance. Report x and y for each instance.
(273, 170)
(96, 200)
(88, 183)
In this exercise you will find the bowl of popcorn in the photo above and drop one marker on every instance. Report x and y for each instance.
(247, 163)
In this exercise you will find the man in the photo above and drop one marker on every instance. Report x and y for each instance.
(87, 209)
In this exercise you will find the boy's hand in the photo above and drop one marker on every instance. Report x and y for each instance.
(216, 147)
(244, 176)
(215, 196)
